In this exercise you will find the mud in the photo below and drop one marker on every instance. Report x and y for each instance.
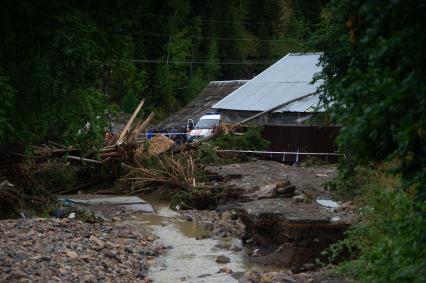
(290, 229)
(249, 177)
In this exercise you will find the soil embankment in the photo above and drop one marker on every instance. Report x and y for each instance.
(287, 211)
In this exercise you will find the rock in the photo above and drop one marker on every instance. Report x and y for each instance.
(201, 237)
(235, 248)
(46, 258)
(286, 192)
(19, 274)
(60, 212)
(251, 275)
(140, 275)
(299, 198)
(226, 270)
(266, 278)
(308, 267)
(150, 238)
(71, 254)
(223, 259)
(189, 218)
(97, 241)
(238, 275)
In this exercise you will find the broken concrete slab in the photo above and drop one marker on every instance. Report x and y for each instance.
(102, 201)
(303, 230)
(108, 200)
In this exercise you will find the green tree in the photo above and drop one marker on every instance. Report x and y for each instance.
(374, 86)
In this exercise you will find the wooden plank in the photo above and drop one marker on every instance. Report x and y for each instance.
(143, 126)
(129, 123)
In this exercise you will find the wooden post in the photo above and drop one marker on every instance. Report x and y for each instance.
(129, 123)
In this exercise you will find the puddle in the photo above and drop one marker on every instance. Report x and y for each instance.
(190, 260)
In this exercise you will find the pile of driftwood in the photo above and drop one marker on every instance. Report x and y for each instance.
(126, 146)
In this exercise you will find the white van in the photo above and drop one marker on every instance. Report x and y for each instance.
(205, 127)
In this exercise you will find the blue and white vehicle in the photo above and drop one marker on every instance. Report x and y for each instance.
(206, 126)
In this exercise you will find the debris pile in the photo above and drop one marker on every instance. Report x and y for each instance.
(126, 146)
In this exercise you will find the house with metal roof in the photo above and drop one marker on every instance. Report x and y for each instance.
(290, 128)
(289, 78)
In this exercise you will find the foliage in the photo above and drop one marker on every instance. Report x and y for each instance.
(34, 185)
(249, 140)
(135, 85)
(48, 177)
(206, 153)
(388, 238)
(7, 100)
(372, 82)
(374, 87)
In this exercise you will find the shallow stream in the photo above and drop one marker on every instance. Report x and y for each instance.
(189, 259)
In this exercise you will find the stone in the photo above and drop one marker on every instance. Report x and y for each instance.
(226, 270)
(98, 242)
(299, 198)
(286, 192)
(223, 259)
(140, 275)
(150, 238)
(308, 266)
(60, 212)
(72, 254)
(251, 275)
(266, 278)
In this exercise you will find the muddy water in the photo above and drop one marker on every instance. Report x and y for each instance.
(188, 259)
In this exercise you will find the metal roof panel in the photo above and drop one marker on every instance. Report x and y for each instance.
(287, 79)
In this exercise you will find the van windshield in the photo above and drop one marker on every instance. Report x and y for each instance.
(207, 124)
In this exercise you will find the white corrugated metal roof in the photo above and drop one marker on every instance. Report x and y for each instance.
(287, 79)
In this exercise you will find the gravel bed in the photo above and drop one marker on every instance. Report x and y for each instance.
(68, 250)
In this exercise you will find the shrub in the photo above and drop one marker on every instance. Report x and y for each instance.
(389, 241)
(250, 140)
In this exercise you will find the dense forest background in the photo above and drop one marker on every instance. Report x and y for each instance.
(64, 63)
